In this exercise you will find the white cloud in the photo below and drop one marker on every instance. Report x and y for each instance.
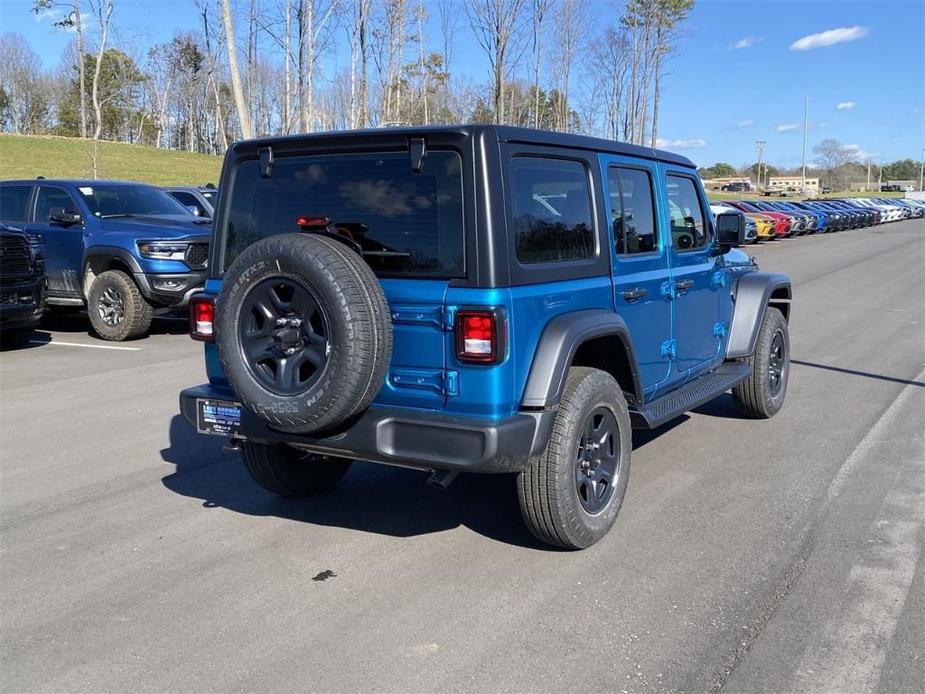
(859, 153)
(788, 127)
(680, 144)
(845, 106)
(829, 38)
(745, 42)
(745, 123)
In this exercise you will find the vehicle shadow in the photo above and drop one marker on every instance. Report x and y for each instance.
(371, 498)
(77, 323)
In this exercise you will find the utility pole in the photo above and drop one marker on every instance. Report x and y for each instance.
(868, 173)
(759, 146)
(880, 176)
(805, 128)
(922, 172)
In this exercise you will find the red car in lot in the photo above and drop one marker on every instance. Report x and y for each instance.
(782, 222)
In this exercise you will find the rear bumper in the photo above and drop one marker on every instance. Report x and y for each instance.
(407, 438)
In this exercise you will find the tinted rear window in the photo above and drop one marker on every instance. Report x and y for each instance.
(406, 223)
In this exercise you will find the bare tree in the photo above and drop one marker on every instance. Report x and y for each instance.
(670, 15)
(831, 157)
(495, 24)
(539, 7)
(449, 25)
(569, 22)
(236, 88)
(103, 10)
(71, 19)
(24, 85)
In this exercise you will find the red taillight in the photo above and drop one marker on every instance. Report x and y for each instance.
(201, 315)
(312, 222)
(479, 337)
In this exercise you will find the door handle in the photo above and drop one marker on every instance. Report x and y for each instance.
(682, 286)
(634, 293)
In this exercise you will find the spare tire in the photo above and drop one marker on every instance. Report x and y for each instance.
(303, 332)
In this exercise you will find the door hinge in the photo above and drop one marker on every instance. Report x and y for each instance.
(670, 349)
(449, 316)
(442, 382)
(720, 329)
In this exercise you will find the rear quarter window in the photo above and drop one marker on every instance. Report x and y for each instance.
(551, 210)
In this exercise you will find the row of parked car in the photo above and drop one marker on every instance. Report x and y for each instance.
(126, 251)
(769, 219)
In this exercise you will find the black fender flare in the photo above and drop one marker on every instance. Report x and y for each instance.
(109, 253)
(556, 349)
(754, 292)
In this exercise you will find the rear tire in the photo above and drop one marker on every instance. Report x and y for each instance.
(117, 309)
(287, 471)
(571, 495)
(762, 395)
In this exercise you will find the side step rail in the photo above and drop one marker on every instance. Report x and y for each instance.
(675, 403)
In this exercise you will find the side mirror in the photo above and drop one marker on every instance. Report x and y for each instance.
(730, 230)
(57, 215)
(193, 210)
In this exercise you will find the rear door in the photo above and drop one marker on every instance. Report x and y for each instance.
(695, 275)
(640, 265)
(63, 243)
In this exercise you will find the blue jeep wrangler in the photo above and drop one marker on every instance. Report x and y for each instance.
(125, 250)
(474, 299)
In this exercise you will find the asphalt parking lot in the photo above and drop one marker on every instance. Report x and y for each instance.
(749, 556)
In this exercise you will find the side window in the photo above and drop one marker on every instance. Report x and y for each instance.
(49, 197)
(688, 226)
(13, 201)
(632, 211)
(188, 200)
(551, 210)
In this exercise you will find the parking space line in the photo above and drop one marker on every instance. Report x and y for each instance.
(78, 344)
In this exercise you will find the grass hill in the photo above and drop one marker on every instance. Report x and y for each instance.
(64, 157)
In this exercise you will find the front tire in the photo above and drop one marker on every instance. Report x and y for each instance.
(762, 395)
(116, 307)
(570, 497)
(286, 471)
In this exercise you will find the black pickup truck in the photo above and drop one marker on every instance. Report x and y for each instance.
(23, 287)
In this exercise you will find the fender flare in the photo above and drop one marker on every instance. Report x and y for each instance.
(108, 253)
(556, 349)
(754, 292)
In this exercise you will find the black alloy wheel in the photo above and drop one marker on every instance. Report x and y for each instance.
(284, 335)
(597, 461)
(777, 362)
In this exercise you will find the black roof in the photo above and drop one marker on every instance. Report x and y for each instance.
(501, 133)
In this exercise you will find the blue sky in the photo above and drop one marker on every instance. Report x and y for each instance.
(738, 75)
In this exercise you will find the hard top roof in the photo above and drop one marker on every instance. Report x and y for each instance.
(501, 133)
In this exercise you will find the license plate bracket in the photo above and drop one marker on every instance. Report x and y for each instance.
(217, 417)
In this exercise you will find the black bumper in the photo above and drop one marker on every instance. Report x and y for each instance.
(22, 303)
(170, 290)
(407, 438)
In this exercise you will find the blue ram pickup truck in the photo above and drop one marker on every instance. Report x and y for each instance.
(474, 299)
(127, 251)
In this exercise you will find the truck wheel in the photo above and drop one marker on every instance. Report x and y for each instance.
(14, 338)
(303, 332)
(570, 497)
(762, 394)
(289, 472)
(117, 309)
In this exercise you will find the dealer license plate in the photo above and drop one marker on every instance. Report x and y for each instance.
(218, 417)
